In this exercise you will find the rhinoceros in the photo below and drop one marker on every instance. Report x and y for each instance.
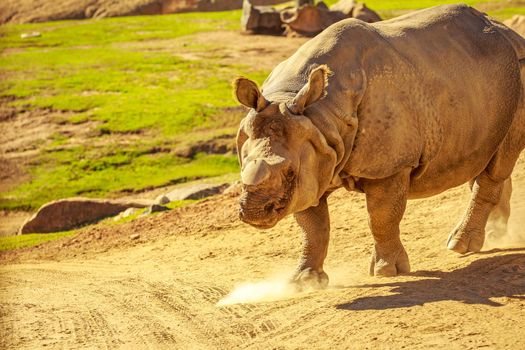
(400, 109)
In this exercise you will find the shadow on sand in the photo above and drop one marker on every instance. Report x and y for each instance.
(497, 276)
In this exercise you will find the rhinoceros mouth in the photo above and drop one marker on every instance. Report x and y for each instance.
(265, 216)
(264, 208)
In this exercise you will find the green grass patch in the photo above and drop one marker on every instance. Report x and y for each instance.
(102, 71)
(66, 174)
(181, 203)
(126, 91)
(116, 30)
(30, 240)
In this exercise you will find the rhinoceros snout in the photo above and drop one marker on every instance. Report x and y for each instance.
(261, 213)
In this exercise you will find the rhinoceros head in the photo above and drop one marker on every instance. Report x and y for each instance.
(278, 149)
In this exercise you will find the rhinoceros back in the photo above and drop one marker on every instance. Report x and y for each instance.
(442, 86)
(469, 84)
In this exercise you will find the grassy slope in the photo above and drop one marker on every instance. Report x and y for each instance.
(86, 67)
(98, 69)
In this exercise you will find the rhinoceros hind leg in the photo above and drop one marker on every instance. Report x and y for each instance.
(463, 241)
(489, 204)
(469, 234)
(386, 201)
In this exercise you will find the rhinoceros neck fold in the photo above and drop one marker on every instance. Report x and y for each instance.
(337, 132)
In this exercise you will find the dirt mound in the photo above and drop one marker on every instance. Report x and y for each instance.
(161, 289)
(24, 11)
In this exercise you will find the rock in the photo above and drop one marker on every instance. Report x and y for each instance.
(126, 213)
(260, 19)
(134, 236)
(197, 191)
(155, 208)
(310, 20)
(162, 199)
(65, 214)
(516, 23)
(351, 9)
(30, 35)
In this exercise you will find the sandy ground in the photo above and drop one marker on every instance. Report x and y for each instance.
(102, 289)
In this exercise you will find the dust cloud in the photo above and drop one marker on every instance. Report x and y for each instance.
(279, 287)
(272, 289)
(515, 235)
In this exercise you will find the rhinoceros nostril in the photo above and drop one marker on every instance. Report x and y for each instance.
(269, 207)
(290, 175)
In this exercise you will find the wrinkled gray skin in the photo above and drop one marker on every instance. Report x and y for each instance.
(400, 109)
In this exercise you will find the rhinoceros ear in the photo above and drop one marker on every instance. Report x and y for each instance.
(247, 93)
(312, 91)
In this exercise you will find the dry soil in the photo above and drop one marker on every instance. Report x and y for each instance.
(103, 289)
(108, 288)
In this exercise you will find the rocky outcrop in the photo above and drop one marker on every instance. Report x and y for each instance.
(24, 11)
(310, 20)
(304, 20)
(260, 19)
(65, 214)
(352, 9)
(517, 23)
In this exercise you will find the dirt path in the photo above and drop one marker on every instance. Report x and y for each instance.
(104, 290)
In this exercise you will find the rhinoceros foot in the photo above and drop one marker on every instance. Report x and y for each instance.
(389, 263)
(463, 241)
(309, 279)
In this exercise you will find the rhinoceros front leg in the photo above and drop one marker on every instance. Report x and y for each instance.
(386, 201)
(315, 225)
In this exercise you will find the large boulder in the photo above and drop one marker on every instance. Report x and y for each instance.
(65, 214)
(352, 9)
(310, 20)
(517, 23)
(260, 19)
